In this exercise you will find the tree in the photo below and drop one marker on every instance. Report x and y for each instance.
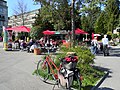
(62, 13)
(90, 11)
(100, 16)
(20, 9)
(84, 23)
(57, 12)
(100, 24)
(112, 11)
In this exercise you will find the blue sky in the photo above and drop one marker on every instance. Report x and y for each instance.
(12, 3)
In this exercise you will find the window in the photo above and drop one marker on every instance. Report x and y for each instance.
(3, 17)
(1, 10)
(0, 26)
(0, 23)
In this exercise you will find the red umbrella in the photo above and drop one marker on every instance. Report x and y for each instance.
(80, 31)
(19, 29)
(48, 32)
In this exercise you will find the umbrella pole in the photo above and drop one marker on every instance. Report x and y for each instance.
(86, 36)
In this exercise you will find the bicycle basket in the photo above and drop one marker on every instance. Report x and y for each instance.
(70, 62)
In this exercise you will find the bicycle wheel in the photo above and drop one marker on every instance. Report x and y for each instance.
(76, 83)
(43, 70)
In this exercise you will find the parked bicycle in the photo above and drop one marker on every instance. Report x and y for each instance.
(66, 75)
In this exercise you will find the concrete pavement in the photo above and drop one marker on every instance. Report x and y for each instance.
(112, 64)
(16, 70)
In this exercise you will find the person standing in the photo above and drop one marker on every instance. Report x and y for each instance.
(94, 45)
(105, 43)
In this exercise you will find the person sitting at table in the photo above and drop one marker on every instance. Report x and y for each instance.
(17, 44)
(22, 45)
(48, 43)
(33, 47)
(30, 43)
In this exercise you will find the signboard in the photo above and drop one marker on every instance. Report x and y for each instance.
(9, 40)
(5, 38)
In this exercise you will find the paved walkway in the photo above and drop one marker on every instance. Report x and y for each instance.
(110, 63)
(16, 70)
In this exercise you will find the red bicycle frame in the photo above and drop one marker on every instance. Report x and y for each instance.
(51, 64)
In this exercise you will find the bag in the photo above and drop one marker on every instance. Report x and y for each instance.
(92, 43)
(65, 77)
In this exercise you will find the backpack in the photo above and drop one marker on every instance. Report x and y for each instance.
(92, 43)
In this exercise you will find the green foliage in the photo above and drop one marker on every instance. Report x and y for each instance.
(58, 18)
(109, 33)
(100, 23)
(114, 36)
(35, 32)
(112, 12)
(84, 23)
(83, 53)
(96, 15)
(90, 74)
(91, 11)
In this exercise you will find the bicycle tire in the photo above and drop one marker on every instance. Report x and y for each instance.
(76, 83)
(43, 72)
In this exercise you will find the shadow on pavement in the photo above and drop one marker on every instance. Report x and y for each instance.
(102, 68)
(113, 52)
(106, 75)
(115, 55)
(104, 88)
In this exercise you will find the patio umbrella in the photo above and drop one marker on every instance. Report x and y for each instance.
(19, 29)
(95, 35)
(48, 32)
(80, 31)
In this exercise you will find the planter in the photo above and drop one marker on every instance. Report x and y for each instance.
(37, 51)
(66, 44)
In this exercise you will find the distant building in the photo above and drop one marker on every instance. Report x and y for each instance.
(3, 15)
(28, 20)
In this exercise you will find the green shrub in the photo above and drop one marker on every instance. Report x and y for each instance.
(114, 36)
(85, 60)
(83, 53)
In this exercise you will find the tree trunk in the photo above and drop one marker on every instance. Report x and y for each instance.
(72, 25)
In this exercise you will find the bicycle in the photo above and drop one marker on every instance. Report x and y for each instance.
(51, 74)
